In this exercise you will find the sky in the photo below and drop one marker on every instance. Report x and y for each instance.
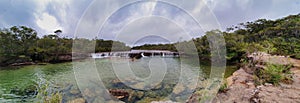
(135, 23)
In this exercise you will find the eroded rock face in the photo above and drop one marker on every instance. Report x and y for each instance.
(284, 93)
(271, 94)
(241, 88)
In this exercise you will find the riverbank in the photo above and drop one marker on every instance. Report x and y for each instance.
(62, 58)
(242, 86)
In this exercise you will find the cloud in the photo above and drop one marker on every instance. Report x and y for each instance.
(48, 23)
(16, 12)
(46, 15)
(161, 19)
(60, 15)
(31, 12)
(232, 12)
(125, 15)
(152, 27)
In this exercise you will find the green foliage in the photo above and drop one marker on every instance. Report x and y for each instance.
(224, 87)
(46, 96)
(170, 47)
(21, 44)
(297, 56)
(274, 74)
(109, 45)
(280, 37)
(15, 41)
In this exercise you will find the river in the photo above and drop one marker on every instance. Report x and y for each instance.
(21, 84)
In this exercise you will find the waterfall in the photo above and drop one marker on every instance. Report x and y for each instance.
(143, 55)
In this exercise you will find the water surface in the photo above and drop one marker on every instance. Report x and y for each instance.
(19, 85)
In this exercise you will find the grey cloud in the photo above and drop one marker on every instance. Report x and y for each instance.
(232, 12)
(179, 23)
(149, 40)
(16, 13)
(227, 12)
(152, 26)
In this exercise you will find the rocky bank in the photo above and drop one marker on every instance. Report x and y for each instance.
(242, 89)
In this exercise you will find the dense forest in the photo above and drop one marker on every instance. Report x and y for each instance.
(277, 37)
(21, 44)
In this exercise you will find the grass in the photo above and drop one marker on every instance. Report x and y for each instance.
(230, 69)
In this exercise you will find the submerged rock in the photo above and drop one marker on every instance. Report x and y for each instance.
(88, 93)
(119, 93)
(77, 100)
(74, 91)
(179, 88)
(163, 102)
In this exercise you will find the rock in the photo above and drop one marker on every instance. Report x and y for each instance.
(191, 86)
(98, 100)
(65, 57)
(194, 98)
(74, 91)
(139, 94)
(139, 85)
(163, 102)
(230, 80)
(112, 101)
(150, 94)
(157, 87)
(127, 95)
(178, 89)
(117, 83)
(242, 88)
(148, 100)
(88, 93)
(21, 64)
(268, 84)
(106, 95)
(130, 81)
(119, 93)
(78, 100)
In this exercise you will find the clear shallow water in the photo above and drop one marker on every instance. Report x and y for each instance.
(19, 84)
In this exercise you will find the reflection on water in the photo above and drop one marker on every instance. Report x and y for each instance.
(21, 84)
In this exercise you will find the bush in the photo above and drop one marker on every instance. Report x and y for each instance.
(46, 95)
(296, 56)
(275, 73)
(223, 87)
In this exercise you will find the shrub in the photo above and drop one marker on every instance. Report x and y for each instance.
(296, 56)
(223, 87)
(275, 73)
(46, 95)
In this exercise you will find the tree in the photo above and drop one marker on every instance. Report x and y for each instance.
(26, 37)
